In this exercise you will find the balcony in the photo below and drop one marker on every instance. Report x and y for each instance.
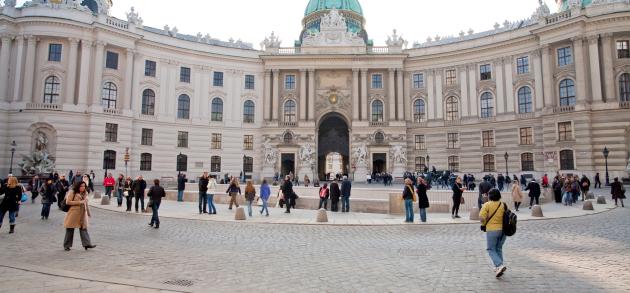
(378, 50)
(288, 124)
(558, 17)
(44, 106)
(112, 111)
(624, 104)
(563, 109)
(121, 24)
(378, 123)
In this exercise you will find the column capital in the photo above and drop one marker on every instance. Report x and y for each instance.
(275, 71)
(7, 37)
(606, 35)
(356, 70)
(74, 41)
(391, 70)
(535, 53)
(593, 39)
(303, 70)
(364, 70)
(544, 48)
(507, 59)
(462, 67)
(31, 39)
(100, 44)
(310, 70)
(131, 52)
(577, 39)
(86, 43)
(267, 72)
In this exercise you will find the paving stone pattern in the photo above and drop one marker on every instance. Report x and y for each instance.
(584, 254)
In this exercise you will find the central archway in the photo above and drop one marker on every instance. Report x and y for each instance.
(333, 137)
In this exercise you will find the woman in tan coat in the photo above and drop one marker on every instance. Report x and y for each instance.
(77, 216)
(517, 196)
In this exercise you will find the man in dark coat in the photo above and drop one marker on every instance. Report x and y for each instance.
(346, 188)
(156, 193)
(203, 193)
(335, 193)
(534, 192)
(138, 190)
(289, 195)
(62, 187)
(585, 186)
(181, 186)
(484, 189)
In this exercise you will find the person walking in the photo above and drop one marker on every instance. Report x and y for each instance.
(11, 202)
(265, 193)
(212, 190)
(234, 190)
(491, 216)
(88, 183)
(335, 193)
(423, 198)
(109, 183)
(203, 192)
(517, 196)
(128, 192)
(346, 188)
(408, 196)
(181, 186)
(62, 186)
(77, 217)
(534, 193)
(575, 188)
(47, 192)
(287, 191)
(35, 185)
(598, 182)
(484, 188)
(557, 190)
(155, 194)
(458, 193)
(585, 186)
(567, 197)
(120, 189)
(138, 191)
(324, 193)
(618, 191)
(250, 196)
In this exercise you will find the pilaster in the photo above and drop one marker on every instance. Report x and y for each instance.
(72, 71)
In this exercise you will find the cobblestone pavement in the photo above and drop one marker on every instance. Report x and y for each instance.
(584, 254)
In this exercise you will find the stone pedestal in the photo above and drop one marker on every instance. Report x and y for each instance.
(105, 201)
(360, 174)
(322, 216)
(396, 204)
(588, 206)
(97, 194)
(537, 211)
(474, 214)
(399, 170)
(240, 214)
(601, 199)
(268, 172)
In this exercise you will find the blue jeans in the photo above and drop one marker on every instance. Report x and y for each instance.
(423, 215)
(409, 210)
(11, 217)
(211, 208)
(155, 219)
(265, 207)
(345, 204)
(495, 240)
(120, 197)
(180, 195)
(249, 207)
(46, 210)
(203, 199)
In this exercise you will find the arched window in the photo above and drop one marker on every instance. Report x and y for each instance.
(566, 160)
(109, 160)
(217, 110)
(377, 111)
(525, 100)
(290, 112)
(487, 105)
(109, 95)
(624, 87)
(452, 109)
(145, 162)
(527, 162)
(148, 102)
(488, 163)
(183, 107)
(51, 90)
(567, 93)
(453, 163)
(288, 138)
(379, 138)
(419, 111)
(248, 112)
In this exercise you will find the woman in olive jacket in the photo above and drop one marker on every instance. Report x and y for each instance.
(11, 202)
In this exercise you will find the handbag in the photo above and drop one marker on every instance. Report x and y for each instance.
(24, 197)
(462, 201)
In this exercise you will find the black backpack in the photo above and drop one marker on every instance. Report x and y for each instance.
(64, 206)
(509, 222)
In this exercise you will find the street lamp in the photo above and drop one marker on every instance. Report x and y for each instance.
(606, 153)
(126, 159)
(179, 164)
(13, 146)
(506, 156)
(428, 165)
(244, 170)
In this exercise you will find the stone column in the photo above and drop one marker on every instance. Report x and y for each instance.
(548, 79)
(608, 48)
(136, 95)
(472, 93)
(129, 81)
(463, 82)
(72, 71)
(364, 94)
(439, 95)
(596, 82)
(276, 95)
(19, 68)
(311, 94)
(356, 110)
(580, 70)
(5, 57)
(497, 67)
(203, 103)
(538, 79)
(391, 96)
(303, 99)
(509, 84)
(400, 95)
(84, 72)
(267, 95)
(29, 69)
(98, 74)
(430, 103)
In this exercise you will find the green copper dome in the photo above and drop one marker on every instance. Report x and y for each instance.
(564, 4)
(319, 5)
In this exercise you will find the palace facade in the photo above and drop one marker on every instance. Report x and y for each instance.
(539, 95)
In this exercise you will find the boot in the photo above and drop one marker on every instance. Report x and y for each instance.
(12, 229)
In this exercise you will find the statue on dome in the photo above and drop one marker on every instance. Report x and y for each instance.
(9, 3)
(271, 42)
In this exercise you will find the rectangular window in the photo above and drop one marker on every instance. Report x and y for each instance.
(488, 163)
(451, 77)
(145, 162)
(150, 67)
(527, 162)
(250, 82)
(565, 131)
(248, 164)
(111, 132)
(215, 164)
(485, 72)
(112, 60)
(216, 141)
(182, 139)
(420, 144)
(147, 137)
(184, 74)
(623, 50)
(565, 56)
(248, 142)
(289, 82)
(377, 81)
(420, 164)
(522, 65)
(54, 52)
(217, 79)
(453, 140)
(418, 81)
(488, 138)
(526, 136)
(453, 164)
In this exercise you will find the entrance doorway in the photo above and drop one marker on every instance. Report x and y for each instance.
(379, 163)
(334, 163)
(288, 164)
(333, 137)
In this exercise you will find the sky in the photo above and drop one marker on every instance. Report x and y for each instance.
(252, 20)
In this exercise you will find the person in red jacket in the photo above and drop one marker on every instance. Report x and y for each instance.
(545, 181)
(109, 184)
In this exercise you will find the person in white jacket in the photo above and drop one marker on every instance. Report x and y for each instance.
(212, 189)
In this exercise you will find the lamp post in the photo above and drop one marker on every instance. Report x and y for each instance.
(179, 163)
(506, 156)
(428, 165)
(606, 152)
(126, 159)
(244, 170)
(13, 146)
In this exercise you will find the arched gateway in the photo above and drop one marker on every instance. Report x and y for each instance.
(333, 137)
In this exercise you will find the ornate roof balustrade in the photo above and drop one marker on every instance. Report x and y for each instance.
(44, 106)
